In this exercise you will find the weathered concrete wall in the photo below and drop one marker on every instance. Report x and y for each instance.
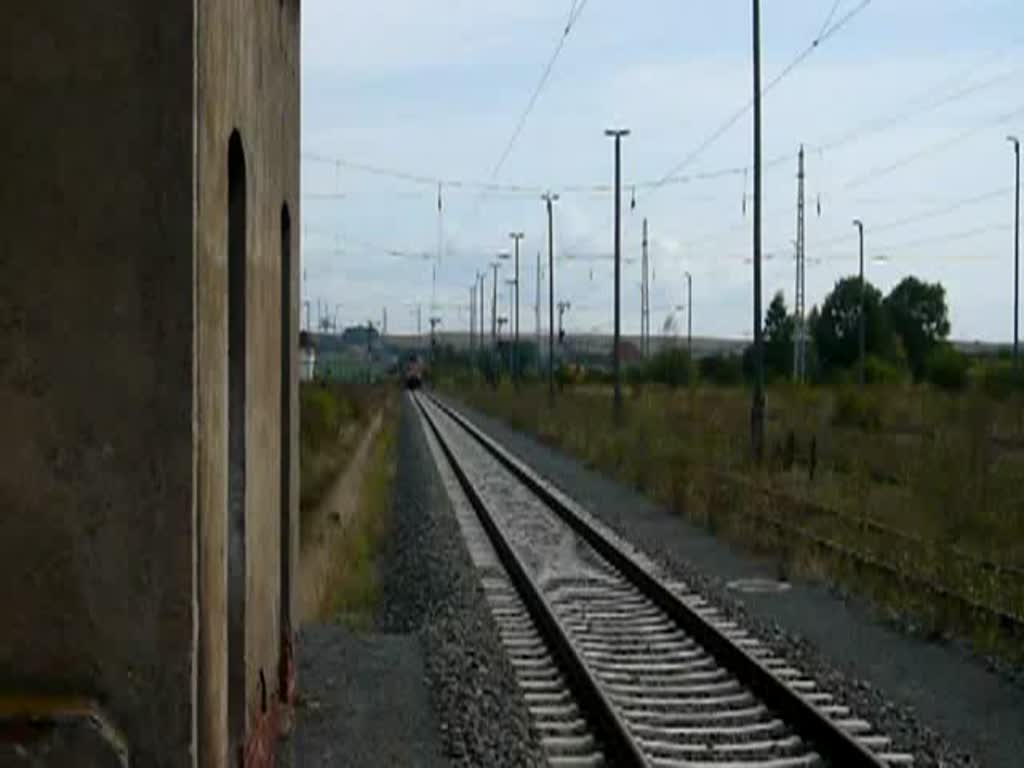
(113, 345)
(96, 363)
(248, 80)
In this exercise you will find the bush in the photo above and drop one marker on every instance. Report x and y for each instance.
(319, 415)
(855, 408)
(596, 376)
(565, 376)
(879, 371)
(998, 379)
(947, 368)
(670, 367)
(723, 370)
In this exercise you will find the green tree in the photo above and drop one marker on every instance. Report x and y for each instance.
(779, 327)
(835, 328)
(917, 313)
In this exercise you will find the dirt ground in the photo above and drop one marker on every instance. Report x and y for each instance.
(327, 525)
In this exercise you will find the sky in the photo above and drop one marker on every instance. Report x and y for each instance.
(903, 108)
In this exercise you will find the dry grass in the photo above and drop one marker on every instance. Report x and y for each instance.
(354, 581)
(332, 418)
(911, 487)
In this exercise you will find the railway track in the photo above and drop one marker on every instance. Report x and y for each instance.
(619, 666)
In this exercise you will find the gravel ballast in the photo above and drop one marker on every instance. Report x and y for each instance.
(933, 699)
(431, 588)
(363, 701)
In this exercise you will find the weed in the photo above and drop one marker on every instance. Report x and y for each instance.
(355, 582)
(911, 485)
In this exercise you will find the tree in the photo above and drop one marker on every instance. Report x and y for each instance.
(779, 328)
(947, 367)
(917, 313)
(835, 329)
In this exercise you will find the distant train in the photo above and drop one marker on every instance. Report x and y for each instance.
(413, 372)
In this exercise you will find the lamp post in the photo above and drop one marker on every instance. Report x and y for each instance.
(860, 314)
(472, 316)
(548, 199)
(757, 402)
(480, 278)
(689, 316)
(1016, 251)
(495, 265)
(617, 134)
(514, 315)
(513, 289)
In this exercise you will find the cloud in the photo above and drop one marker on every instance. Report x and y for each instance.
(438, 92)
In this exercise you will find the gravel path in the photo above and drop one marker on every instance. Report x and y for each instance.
(431, 589)
(938, 702)
(363, 701)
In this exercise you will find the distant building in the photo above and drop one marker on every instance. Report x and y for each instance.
(360, 335)
(307, 356)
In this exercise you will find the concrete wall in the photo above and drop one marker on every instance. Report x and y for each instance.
(112, 355)
(96, 361)
(247, 81)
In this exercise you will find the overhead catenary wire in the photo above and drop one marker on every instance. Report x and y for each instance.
(879, 172)
(574, 14)
(874, 125)
(961, 92)
(525, 190)
(786, 71)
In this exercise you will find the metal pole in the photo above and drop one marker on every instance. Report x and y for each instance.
(757, 406)
(1016, 254)
(798, 292)
(480, 308)
(537, 312)
(549, 199)
(516, 236)
(860, 314)
(645, 304)
(481, 276)
(494, 306)
(689, 317)
(472, 315)
(617, 134)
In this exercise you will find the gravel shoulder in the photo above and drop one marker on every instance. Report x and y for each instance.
(364, 701)
(933, 698)
(431, 685)
(432, 590)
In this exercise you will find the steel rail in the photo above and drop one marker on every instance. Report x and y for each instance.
(616, 740)
(832, 742)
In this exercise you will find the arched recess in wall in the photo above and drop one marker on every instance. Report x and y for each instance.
(237, 324)
(287, 346)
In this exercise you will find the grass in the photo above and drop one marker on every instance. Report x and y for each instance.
(332, 418)
(354, 581)
(911, 489)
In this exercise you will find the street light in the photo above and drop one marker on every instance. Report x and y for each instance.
(689, 316)
(481, 277)
(860, 315)
(757, 400)
(516, 236)
(1016, 251)
(495, 265)
(548, 199)
(617, 134)
(513, 288)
